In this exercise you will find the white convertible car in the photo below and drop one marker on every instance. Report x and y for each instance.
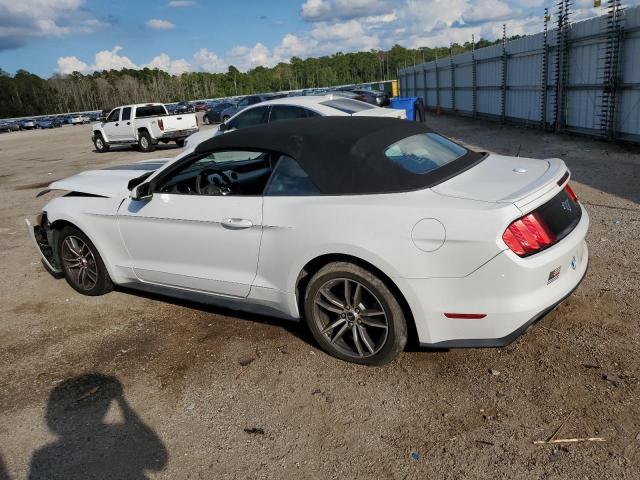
(370, 229)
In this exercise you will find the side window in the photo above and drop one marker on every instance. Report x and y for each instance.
(287, 112)
(114, 116)
(311, 113)
(254, 100)
(289, 179)
(244, 102)
(229, 172)
(126, 113)
(249, 118)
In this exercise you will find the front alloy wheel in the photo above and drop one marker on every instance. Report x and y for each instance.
(82, 265)
(354, 316)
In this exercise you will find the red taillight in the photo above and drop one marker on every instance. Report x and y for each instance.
(161, 124)
(527, 235)
(569, 190)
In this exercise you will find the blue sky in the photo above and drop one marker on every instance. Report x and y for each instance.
(60, 36)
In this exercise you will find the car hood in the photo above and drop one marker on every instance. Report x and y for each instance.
(108, 182)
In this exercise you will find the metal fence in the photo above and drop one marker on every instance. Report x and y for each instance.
(582, 77)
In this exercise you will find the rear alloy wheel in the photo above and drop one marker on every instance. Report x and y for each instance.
(353, 315)
(225, 119)
(82, 265)
(144, 143)
(205, 120)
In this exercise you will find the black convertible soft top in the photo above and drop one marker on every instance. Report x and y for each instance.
(342, 155)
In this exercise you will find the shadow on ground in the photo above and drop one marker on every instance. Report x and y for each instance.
(87, 446)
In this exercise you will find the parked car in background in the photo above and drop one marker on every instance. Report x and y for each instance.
(242, 104)
(183, 107)
(79, 119)
(374, 97)
(214, 114)
(365, 228)
(200, 107)
(28, 124)
(349, 94)
(5, 126)
(49, 122)
(288, 108)
(145, 125)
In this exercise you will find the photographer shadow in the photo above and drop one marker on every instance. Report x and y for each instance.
(86, 446)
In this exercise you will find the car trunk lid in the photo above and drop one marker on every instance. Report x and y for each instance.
(504, 179)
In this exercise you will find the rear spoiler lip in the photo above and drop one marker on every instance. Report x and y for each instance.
(540, 187)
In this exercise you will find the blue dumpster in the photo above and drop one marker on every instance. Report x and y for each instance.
(408, 104)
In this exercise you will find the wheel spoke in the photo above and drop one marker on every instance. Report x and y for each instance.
(357, 295)
(370, 312)
(366, 339)
(327, 306)
(347, 292)
(333, 325)
(340, 333)
(356, 340)
(372, 322)
(332, 298)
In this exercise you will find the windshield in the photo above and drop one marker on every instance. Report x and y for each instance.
(424, 152)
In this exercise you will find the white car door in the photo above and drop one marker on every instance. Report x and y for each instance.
(110, 127)
(202, 242)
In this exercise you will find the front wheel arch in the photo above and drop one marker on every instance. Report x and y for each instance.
(317, 263)
(56, 228)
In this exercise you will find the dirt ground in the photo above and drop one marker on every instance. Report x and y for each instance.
(191, 391)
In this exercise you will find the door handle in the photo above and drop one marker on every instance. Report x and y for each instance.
(128, 123)
(236, 223)
(117, 124)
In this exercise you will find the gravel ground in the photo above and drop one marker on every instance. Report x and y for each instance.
(128, 385)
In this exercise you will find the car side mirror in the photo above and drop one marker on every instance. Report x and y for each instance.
(141, 192)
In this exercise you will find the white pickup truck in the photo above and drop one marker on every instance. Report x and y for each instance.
(145, 125)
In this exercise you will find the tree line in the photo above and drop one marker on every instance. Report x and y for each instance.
(25, 93)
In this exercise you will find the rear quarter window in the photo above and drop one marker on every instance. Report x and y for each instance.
(424, 152)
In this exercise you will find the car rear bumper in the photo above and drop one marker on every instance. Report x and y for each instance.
(178, 134)
(511, 292)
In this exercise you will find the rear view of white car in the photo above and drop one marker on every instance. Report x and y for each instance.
(366, 228)
(292, 108)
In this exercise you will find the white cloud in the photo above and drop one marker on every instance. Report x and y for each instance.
(207, 61)
(104, 60)
(158, 24)
(484, 10)
(328, 10)
(164, 62)
(181, 3)
(67, 65)
(23, 21)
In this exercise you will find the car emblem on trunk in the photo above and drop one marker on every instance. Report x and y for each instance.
(566, 205)
(574, 262)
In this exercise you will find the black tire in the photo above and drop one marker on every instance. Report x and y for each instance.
(180, 142)
(144, 142)
(339, 331)
(100, 144)
(77, 252)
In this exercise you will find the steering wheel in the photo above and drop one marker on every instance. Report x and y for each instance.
(204, 186)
